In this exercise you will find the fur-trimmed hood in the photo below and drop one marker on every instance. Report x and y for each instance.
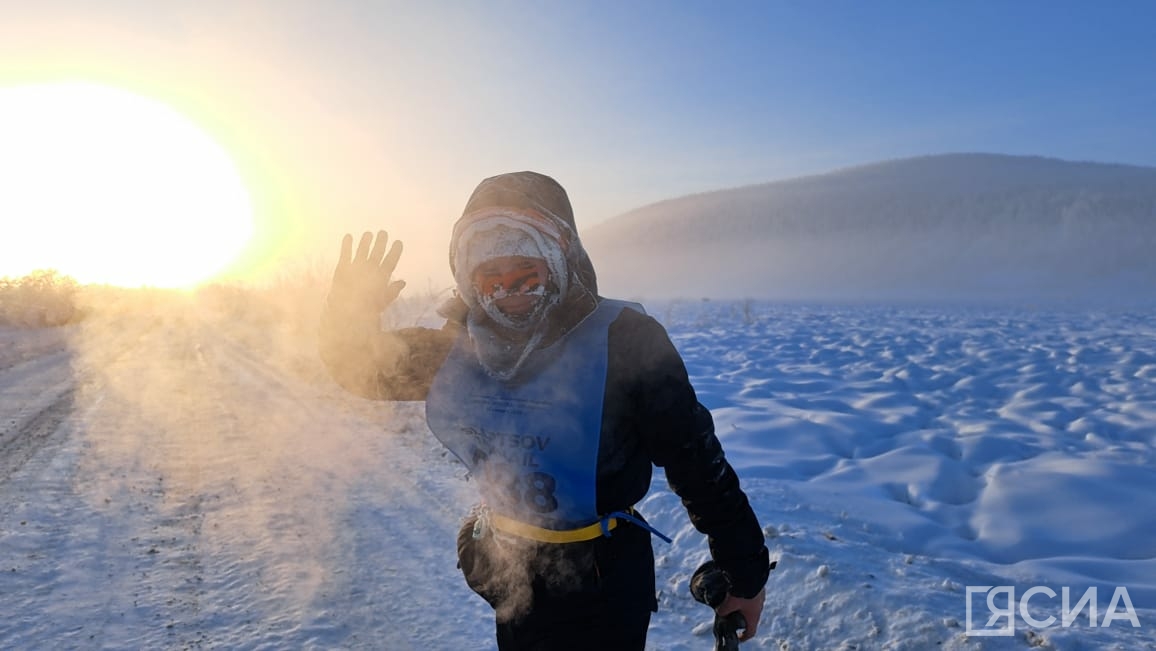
(539, 198)
(526, 200)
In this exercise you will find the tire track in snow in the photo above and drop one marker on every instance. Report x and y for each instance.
(53, 542)
(111, 508)
(221, 502)
(36, 396)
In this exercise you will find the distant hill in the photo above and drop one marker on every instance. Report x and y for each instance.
(973, 227)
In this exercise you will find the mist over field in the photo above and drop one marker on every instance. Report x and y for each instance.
(956, 227)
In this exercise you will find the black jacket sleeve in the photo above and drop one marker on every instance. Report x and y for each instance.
(679, 435)
(382, 365)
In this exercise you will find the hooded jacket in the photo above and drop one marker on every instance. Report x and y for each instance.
(650, 417)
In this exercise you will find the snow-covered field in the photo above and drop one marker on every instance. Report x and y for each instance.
(166, 484)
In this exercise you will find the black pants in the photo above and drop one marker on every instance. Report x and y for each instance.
(606, 631)
(597, 594)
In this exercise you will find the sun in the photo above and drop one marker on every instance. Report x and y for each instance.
(112, 187)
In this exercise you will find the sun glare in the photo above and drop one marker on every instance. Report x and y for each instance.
(114, 188)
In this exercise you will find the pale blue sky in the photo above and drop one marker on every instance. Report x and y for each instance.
(372, 112)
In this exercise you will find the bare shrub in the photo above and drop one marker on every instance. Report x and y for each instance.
(43, 298)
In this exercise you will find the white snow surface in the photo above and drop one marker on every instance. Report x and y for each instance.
(166, 483)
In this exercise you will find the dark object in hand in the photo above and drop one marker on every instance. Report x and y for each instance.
(709, 585)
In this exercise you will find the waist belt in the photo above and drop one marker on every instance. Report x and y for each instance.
(601, 528)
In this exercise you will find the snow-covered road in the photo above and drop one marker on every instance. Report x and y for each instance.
(163, 490)
(37, 387)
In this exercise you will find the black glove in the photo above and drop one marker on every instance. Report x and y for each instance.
(362, 283)
(709, 585)
(726, 631)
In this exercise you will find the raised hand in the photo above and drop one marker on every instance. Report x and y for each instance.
(362, 281)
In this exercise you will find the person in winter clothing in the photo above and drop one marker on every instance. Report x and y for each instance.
(560, 402)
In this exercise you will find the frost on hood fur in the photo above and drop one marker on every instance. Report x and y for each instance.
(537, 206)
(475, 245)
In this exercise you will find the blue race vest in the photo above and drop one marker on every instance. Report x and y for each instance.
(531, 443)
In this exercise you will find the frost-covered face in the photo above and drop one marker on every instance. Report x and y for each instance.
(515, 285)
(509, 268)
(502, 233)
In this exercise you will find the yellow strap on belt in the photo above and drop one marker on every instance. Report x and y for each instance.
(523, 530)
